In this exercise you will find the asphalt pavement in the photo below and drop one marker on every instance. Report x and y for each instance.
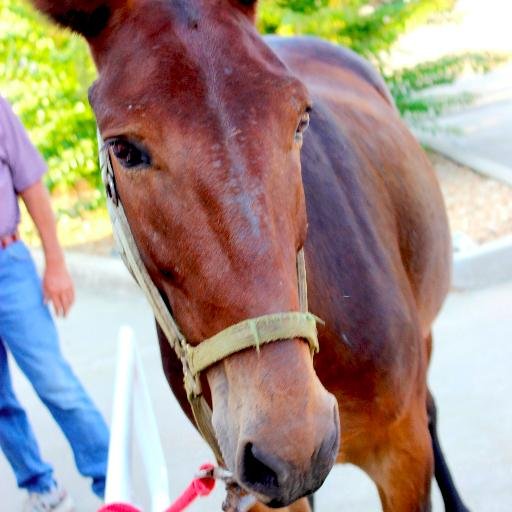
(470, 376)
(479, 134)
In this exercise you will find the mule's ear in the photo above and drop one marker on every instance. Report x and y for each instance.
(87, 17)
(247, 6)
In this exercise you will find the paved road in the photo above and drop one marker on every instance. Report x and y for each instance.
(477, 135)
(470, 376)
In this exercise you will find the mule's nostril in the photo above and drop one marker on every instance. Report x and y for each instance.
(256, 470)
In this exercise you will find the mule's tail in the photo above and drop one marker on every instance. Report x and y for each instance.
(451, 497)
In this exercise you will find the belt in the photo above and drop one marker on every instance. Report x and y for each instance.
(8, 240)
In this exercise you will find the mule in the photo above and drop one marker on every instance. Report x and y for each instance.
(205, 123)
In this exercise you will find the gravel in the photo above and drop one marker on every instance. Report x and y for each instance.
(479, 208)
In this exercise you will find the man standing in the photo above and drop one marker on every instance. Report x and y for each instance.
(27, 330)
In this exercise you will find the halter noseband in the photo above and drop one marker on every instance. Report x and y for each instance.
(249, 333)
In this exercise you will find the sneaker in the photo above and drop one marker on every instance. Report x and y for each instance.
(54, 500)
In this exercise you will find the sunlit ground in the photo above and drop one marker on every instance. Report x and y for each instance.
(475, 25)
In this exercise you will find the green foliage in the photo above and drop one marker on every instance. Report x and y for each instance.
(408, 85)
(44, 73)
(369, 27)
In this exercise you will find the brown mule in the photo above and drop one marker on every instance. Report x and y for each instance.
(204, 121)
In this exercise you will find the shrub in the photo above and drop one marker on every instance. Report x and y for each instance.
(44, 72)
(370, 27)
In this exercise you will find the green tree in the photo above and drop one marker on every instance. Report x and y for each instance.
(369, 27)
(45, 72)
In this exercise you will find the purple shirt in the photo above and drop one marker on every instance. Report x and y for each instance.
(20, 167)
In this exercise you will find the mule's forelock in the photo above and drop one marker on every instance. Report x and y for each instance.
(86, 17)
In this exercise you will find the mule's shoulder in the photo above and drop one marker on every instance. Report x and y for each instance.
(315, 49)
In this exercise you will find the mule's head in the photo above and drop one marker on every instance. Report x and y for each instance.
(204, 127)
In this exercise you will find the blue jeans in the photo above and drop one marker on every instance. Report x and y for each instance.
(28, 332)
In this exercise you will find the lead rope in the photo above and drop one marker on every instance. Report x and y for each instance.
(263, 329)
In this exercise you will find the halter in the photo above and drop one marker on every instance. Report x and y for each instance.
(249, 333)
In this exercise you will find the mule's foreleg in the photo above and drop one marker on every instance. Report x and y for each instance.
(452, 500)
(401, 463)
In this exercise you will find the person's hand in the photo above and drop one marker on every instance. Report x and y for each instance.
(58, 288)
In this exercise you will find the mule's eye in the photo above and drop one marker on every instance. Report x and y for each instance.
(302, 126)
(128, 154)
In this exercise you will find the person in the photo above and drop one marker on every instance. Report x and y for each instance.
(27, 330)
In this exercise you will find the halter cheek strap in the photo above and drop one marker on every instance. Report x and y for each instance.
(244, 335)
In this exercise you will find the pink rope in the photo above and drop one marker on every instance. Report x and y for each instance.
(199, 487)
(119, 507)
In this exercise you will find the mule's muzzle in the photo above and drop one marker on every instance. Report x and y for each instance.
(277, 482)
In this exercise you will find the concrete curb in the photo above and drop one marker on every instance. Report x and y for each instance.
(448, 147)
(95, 272)
(483, 266)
